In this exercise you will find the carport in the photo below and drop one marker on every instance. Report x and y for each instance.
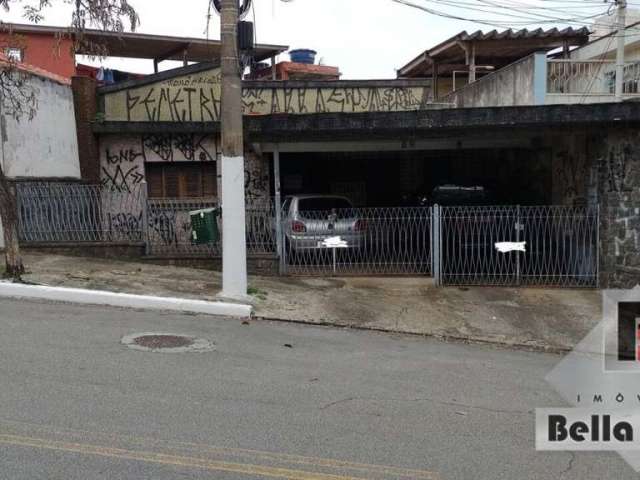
(384, 163)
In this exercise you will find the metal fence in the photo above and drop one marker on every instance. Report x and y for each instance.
(169, 228)
(387, 241)
(561, 246)
(67, 212)
(590, 77)
(580, 77)
(457, 245)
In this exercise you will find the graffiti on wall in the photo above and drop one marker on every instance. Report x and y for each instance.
(256, 180)
(123, 159)
(196, 98)
(629, 220)
(121, 171)
(572, 174)
(188, 147)
(189, 98)
(615, 165)
(620, 171)
(270, 101)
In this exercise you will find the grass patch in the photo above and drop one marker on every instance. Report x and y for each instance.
(256, 292)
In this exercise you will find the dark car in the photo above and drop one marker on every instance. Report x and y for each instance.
(457, 195)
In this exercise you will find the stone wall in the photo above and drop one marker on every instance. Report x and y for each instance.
(618, 164)
(602, 168)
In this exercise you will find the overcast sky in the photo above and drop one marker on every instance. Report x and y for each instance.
(365, 38)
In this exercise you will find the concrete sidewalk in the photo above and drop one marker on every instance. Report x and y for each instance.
(550, 319)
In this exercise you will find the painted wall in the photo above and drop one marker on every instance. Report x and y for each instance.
(196, 98)
(52, 54)
(122, 166)
(122, 157)
(46, 146)
(512, 85)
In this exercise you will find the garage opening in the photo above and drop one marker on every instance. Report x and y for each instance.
(466, 216)
(517, 176)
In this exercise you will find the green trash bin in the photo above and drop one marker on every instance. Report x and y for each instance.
(204, 226)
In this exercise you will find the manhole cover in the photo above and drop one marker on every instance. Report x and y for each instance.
(166, 342)
(163, 341)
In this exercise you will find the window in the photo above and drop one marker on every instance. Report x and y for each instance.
(14, 54)
(181, 180)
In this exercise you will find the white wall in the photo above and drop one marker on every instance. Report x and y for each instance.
(47, 145)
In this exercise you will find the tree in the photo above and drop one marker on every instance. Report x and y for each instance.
(18, 98)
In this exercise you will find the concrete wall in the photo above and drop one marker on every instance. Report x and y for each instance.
(516, 84)
(47, 145)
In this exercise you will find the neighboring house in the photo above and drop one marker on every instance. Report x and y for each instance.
(50, 50)
(467, 57)
(45, 147)
(54, 49)
(529, 67)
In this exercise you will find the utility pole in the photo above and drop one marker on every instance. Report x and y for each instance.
(234, 245)
(621, 21)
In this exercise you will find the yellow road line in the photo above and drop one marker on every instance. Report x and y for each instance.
(254, 455)
(150, 457)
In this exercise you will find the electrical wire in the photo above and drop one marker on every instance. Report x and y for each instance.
(517, 19)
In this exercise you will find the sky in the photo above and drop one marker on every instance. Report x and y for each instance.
(364, 38)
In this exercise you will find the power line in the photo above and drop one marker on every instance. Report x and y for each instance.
(515, 19)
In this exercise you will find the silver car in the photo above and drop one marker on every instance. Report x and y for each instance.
(311, 219)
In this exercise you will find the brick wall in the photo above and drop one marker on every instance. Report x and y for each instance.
(86, 107)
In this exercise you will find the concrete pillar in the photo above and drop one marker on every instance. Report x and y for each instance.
(234, 256)
(278, 207)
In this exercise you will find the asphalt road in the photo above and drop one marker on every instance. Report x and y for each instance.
(339, 404)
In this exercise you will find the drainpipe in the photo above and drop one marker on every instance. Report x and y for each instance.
(622, 14)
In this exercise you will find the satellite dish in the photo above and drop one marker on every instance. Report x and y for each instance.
(243, 10)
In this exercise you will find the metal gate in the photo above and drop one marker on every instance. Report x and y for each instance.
(560, 246)
(376, 241)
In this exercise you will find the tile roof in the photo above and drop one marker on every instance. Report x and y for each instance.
(33, 70)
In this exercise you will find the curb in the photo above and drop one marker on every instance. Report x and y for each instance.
(126, 300)
(559, 350)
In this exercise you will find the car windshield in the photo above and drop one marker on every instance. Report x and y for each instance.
(320, 204)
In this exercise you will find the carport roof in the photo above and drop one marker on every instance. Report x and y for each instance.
(399, 125)
(493, 48)
(143, 45)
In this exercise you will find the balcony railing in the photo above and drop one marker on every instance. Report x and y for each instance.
(590, 78)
